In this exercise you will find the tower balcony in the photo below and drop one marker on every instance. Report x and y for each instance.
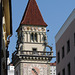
(31, 55)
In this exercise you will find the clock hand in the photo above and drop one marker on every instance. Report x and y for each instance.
(34, 71)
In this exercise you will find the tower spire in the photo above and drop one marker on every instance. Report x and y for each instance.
(32, 15)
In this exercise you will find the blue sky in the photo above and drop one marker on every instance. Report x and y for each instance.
(54, 12)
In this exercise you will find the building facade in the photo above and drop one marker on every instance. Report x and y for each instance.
(6, 33)
(10, 67)
(65, 47)
(11, 70)
(53, 68)
(31, 57)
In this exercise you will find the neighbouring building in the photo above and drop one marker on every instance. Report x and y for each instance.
(31, 57)
(6, 32)
(10, 68)
(53, 68)
(65, 47)
(0, 32)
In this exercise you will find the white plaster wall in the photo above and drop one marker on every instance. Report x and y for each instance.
(11, 70)
(28, 46)
(52, 70)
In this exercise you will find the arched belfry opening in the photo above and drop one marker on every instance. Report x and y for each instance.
(32, 36)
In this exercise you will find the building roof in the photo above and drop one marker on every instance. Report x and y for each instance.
(32, 15)
(53, 64)
(65, 25)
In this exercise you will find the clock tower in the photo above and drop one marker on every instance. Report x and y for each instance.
(31, 57)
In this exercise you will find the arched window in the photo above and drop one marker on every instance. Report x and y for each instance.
(32, 37)
(35, 36)
(44, 38)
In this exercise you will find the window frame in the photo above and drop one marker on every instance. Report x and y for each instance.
(63, 71)
(58, 57)
(63, 52)
(59, 73)
(34, 52)
(68, 46)
(69, 69)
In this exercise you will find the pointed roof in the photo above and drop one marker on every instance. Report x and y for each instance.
(32, 15)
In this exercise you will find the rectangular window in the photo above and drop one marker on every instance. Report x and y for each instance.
(63, 52)
(74, 39)
(34, 50)
(68, 46)
(58, 57)
(63, 71)
(69, 69)
(58, 73)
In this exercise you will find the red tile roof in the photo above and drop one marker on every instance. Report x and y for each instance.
(11, 64)
(53, 64)
(32, 15)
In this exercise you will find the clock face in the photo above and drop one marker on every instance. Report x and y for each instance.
(34, 69)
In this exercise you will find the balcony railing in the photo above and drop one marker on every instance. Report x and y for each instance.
(33, 53)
